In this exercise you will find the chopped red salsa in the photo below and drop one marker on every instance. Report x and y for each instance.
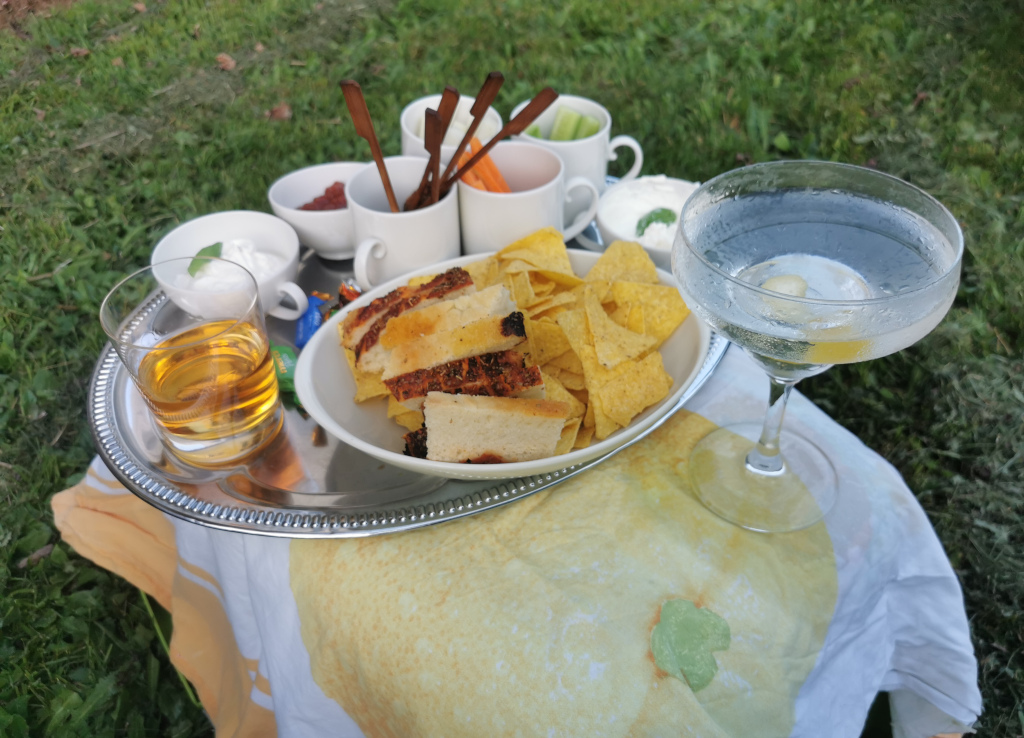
(332, 199)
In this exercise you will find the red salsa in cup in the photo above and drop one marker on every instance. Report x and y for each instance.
(332, 199)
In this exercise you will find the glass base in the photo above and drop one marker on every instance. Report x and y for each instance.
(231, 450)
(797, 497)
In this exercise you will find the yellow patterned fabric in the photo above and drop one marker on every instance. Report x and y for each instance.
(536, 619)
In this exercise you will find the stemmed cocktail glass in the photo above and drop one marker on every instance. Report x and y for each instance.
(805, 264)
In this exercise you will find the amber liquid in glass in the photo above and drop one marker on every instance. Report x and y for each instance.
(213, 390)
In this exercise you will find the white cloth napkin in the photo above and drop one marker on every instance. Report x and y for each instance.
(899, 623)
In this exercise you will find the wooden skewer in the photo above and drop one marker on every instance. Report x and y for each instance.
(433, 135)
(446, 111)
(484, 98)
(526, 116)
(364, 129)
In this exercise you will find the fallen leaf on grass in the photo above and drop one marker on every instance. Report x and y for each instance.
(225, 62)
(283, 111)
(197, 31)
(140, 7)
(118, 62)
(36, 556)
(259, 48)
(40, 114)
(79, 52)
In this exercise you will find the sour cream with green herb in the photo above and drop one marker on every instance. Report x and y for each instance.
(216, 275)
(625, 204)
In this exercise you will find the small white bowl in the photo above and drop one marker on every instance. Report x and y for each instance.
(328, 232)
(624, 203)
(411, 122)
(269, 234)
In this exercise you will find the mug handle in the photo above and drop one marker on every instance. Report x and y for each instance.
(301, 302)
(638, 155)
(369, 247)
(584, 218)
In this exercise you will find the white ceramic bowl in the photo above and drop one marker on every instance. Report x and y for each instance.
(624, 203)
(269, 234)
(328, 232)
(324, 384)
(411, 121)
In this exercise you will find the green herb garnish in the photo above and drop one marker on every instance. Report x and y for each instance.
(659, 215)
(200, 259)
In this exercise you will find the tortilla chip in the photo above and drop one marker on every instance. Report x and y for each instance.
(604, 426)
(637, 322)
(567, 441)
(484, 273)
(547, 340)
(555, 390)
(624, 397)
(549, 307)
(568, 362)
(600, 288)
(624, 261)
(408, 419)
(613, 344)
(569, 380)
(515, 266)
(521, 289)
(584, 436)
(542, 286)
(544, 250)
(574, 324)
(411, 420)
(663, 307)
(630, 316)
(395, 407)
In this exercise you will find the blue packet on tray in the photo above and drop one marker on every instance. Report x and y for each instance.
(312, 319)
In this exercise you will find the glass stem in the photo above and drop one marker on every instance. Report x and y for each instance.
(765, 458)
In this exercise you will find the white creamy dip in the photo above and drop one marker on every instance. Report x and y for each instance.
(217, 275)
(623, 205)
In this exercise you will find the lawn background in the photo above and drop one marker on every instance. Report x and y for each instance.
(118, 121)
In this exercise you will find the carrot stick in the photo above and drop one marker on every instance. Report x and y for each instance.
(472, 180)
(487, 170)
(470, 177)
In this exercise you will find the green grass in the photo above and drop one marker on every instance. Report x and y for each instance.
(101, 154)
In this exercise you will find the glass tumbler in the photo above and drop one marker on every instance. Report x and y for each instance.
(192, 336)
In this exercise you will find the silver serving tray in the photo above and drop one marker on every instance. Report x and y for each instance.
(297, 488)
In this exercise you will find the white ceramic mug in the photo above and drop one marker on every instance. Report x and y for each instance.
(268, 234)
(411, 122)
(389, 244)
(540, 192)
(586, 157)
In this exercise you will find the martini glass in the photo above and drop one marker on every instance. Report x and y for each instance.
(805, 264)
